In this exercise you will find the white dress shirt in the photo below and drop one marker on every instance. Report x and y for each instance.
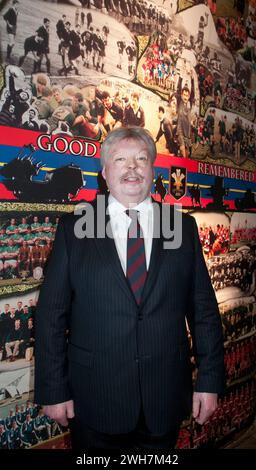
(120, 223)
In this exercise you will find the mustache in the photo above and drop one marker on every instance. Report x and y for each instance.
(131, 175)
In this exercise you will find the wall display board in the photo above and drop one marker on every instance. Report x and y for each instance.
(70, 72)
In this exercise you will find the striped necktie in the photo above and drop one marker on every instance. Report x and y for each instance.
(136, 260)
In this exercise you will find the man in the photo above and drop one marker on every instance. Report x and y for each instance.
(166, 130)
(60, 29)
(222, 131)
(184, 124)
(122, 372)
(75, 50)
(14, 341)
(43, 104)
(32, 44)
(131, 52)
(134, 114)
(113, 116)
(64, 48)
(121, 47)
(44, 32)
(23, 257)
(38, 85)
(16, 101)
(31, 123)
(210, 124)
(11, 17)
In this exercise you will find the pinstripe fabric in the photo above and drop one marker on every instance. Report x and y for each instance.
(117, 353)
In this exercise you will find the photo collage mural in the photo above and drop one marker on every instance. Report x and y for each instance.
(70, 72)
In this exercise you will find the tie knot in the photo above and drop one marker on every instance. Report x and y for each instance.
(133, 214)
(134, 230)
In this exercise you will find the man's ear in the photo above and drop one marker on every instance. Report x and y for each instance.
(103, 172)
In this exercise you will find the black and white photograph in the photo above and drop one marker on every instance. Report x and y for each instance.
(63, 44)
(233, 275)
(238, 318)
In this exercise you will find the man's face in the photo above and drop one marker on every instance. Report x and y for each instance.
(107, 102)
(31, 114)
(134, 102)
(92, 93)
(129, 172)
(75, 104)
(11, 109)
(173, 105)
(185, 96)
(57, 96)
(24, 96)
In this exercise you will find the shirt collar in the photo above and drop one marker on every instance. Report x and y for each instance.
(116, 208)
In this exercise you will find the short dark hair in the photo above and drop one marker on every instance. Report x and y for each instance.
(105, 94)
(161, 109)
(185, 88)
(79, 96)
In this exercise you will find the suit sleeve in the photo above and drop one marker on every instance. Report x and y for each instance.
(52, 315)
(205, 326)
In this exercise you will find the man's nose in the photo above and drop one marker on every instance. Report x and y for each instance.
(132, 162)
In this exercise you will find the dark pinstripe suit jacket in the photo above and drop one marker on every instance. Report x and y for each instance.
(117, 353)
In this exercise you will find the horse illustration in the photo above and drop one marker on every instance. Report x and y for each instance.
(160, 188)
(59, 185)
(195, 195)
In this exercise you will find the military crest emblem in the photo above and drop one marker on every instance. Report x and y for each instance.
(177, 182)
